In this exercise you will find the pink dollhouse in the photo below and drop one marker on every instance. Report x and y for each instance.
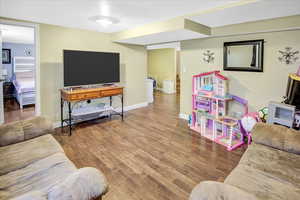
(209, 112)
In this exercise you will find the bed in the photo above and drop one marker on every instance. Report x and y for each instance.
(24, 81)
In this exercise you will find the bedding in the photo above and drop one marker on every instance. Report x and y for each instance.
(24, 90)
(24, 85)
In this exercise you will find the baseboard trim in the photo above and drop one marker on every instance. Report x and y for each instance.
(132, 107)
(169, 92)
(184, 116)
(126, 108)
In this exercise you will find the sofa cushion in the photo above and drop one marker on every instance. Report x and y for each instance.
(11, 133)
(277, 136)
(19, 131)
(267, 173)
(211, 190)
(36, 126)
(40, 176)
(17, 156)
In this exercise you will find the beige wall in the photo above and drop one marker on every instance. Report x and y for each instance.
(162, 64)
(53, 39)
(257, 88)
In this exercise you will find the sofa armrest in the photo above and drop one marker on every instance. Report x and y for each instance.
(277, 136)
(211, 190)
(85, 184)
(20, 131)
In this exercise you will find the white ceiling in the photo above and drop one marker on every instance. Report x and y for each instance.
(133, 13)
(253, 11)
(263, 9)
(76, 13)
(17, 34)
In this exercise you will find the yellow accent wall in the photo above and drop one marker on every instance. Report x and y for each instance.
(257, 88)
(54, 39)
(162, 65)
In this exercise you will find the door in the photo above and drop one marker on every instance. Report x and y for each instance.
(1, 84)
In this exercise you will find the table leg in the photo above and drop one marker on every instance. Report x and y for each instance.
(61, 113)
(70, 119)
(110, 103)
(122, 100)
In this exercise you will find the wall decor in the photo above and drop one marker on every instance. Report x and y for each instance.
(288, 56)
(244, 55)
(28, 52)
(6, 56)
(209, 56)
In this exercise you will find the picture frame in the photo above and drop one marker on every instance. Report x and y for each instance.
(255, 58)
(6, 56)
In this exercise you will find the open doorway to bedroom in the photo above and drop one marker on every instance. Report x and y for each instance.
(18, 70)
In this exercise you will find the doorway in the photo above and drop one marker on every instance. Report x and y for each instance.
(19, 67)
(162, 68)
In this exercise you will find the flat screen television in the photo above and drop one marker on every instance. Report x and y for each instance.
(89, 68)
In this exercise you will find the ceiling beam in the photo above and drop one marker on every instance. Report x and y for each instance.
(175, 24)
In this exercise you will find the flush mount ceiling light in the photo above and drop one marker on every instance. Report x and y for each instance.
(104, 20)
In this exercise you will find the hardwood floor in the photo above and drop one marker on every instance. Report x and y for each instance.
(152, 155)
(12, 111)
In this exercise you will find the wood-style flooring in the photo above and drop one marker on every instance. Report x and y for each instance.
(12, 111)
(152, 155)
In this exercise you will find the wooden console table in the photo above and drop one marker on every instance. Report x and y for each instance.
(83, 94)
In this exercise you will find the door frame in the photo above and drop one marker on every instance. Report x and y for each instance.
(1, 83)
(37, 59)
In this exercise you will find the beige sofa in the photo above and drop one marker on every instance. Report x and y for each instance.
(269, 169)
(33, 166)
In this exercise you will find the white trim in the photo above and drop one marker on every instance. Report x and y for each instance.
(184, 116)
(1, 83)
(239, 34)
(254, 32)
(166, 92)
(132, 107)
(126, 108)
(37, 71)
(173, 45)
(37, 59)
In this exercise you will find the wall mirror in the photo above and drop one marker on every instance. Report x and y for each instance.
(244, 55)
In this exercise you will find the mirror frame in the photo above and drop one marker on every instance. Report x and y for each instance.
(260, 43)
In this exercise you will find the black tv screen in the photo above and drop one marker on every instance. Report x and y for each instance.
(87, 68)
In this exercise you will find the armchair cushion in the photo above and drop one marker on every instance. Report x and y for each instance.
(20, 131)
(211, 190)
(278, 137)
(84, 184)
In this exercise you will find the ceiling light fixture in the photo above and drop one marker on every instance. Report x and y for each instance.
(104, 20)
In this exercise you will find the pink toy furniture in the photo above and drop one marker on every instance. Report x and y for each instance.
(209, 110)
